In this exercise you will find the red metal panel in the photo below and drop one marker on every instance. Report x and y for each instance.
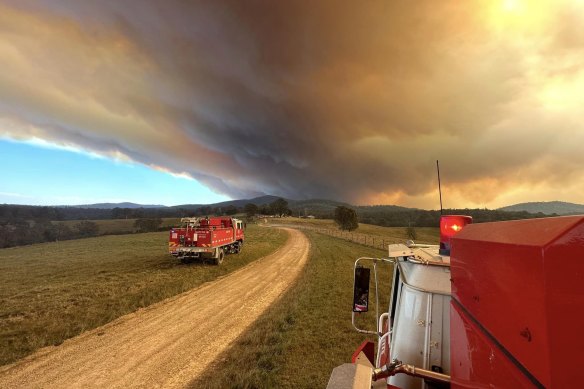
(564, 269)
(368, 349)
(173, 237)
(523, 281)
(190, 238)
(203, 237)
(217, 222)
(476, 362)
(222, 236)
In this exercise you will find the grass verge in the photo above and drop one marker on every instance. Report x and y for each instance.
(53, 291)
(301, 338)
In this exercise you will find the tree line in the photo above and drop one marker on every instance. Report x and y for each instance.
(24, 224)
(23, 232)
(28, 232)
(347, 218)
(423, 218)
(278, 208)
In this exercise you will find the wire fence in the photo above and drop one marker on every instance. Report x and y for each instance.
(355, 237)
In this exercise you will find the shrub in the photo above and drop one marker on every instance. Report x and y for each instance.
(346, 218)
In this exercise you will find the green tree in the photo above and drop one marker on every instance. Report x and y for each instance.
(346, 218)
(203, 211)
(280, 207)
(86, 229)
(63, 232)
(230, 210)
(266, 210)
(119, 213)
(250, 209)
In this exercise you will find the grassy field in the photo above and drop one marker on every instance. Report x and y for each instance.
(52, 291)
(298, 342)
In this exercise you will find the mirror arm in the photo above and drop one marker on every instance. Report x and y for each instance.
(359, 329)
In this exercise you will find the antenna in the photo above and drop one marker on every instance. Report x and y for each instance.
(439, 187)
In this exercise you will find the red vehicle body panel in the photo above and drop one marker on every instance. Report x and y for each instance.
(518, 298)
(477, 361)
(368, 349)
(211, 233)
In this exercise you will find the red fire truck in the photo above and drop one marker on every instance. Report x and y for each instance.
(496, 305)
(208, 238)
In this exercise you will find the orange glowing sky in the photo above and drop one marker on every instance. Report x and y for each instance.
(345, 100)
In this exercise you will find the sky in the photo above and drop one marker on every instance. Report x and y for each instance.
(88, 179)
(195, 102)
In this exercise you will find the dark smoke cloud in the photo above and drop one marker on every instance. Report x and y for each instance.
(333, 99)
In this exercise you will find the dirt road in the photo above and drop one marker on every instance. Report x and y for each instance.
(170, 343)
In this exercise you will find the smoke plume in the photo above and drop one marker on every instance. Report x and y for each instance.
(333, 99)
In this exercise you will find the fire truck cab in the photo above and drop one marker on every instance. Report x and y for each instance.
(415, 327)
(420, 311)
(495, 305)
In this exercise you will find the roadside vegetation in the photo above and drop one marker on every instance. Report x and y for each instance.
(308, 332)
(346, 218)
(50, 292)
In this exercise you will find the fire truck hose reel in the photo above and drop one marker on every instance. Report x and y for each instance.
(396, 367)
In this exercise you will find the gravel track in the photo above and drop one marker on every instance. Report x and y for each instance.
(169, 343)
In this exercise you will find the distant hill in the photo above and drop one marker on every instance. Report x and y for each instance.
(312, 206)
(326, 208)
(262, 200)
(547, 207)
(382, 208)
(115, 205)
(190, 207)
(316, 207)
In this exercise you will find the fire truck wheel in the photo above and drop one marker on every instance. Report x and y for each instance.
(237, 248)
(219, 259)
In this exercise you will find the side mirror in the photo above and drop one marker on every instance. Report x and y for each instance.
(361, 289)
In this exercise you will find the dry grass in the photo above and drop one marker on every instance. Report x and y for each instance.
(298, 342)
(399, 234)
(52, 291)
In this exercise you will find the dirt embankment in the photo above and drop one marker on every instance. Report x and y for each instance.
(170, 343)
